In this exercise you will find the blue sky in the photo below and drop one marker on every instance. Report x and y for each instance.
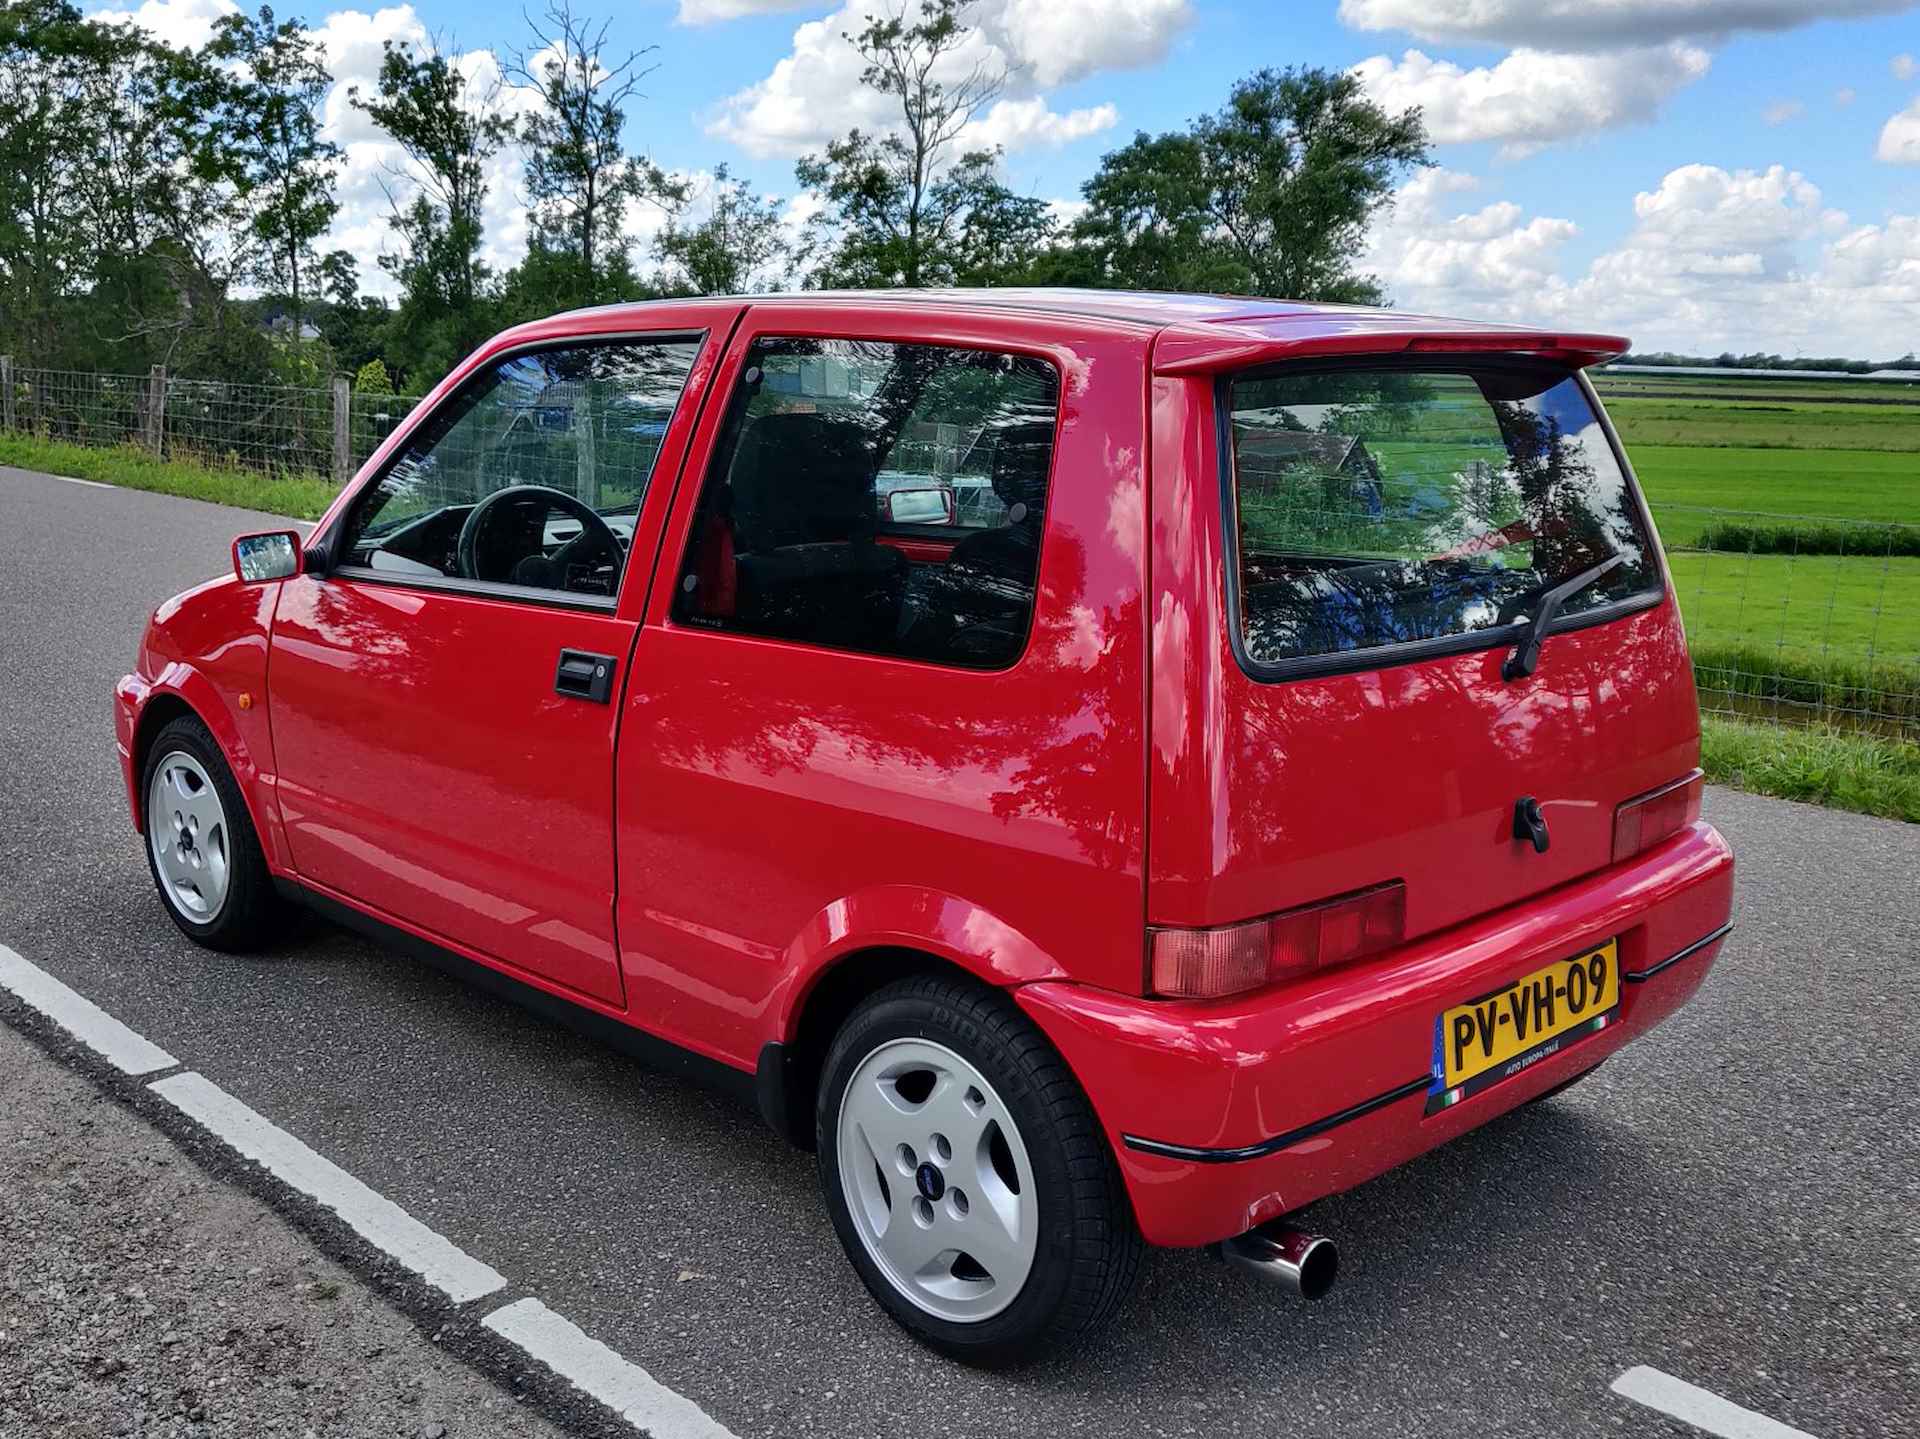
(1702, 174)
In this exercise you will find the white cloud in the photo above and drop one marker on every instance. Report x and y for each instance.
(1532, 97)
(813, 94)
(1781, 111)
(707, 12)
(1904, 67)
(1900, 138)
(1596, 24)
(1066, 40)
(184, 24)
(1065, 211)
(1019, 124)
(1845, 96)
(1716, 260)
(1493, 260)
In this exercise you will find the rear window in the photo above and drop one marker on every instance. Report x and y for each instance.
(1376, 508)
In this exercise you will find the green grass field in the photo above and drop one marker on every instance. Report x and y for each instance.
(1780, 425)
(1793, 637)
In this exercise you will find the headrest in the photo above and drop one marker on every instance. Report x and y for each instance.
(799, 477)
(1022, 455)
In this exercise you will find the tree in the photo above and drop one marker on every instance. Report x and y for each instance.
(49, 58)
(731, 251)
(1272, 195)
(579, 178)
(447, 122)
(901, 209)
(270, 127)
(373, 379)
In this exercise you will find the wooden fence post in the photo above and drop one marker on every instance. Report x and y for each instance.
(342, 430)
(156, 416)
(9, 404)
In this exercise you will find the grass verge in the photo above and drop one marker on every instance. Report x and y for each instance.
(1838, 768)
(303, 497)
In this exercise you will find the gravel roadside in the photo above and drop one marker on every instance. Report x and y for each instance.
(139, 1296)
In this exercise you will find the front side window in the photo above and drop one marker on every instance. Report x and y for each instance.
(1385, 507)
(532, 475)
(880, 497)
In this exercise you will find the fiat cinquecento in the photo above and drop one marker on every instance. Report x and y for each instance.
(1101, 769)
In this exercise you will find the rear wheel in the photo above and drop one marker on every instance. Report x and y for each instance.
(967, 1178)
(201, 846)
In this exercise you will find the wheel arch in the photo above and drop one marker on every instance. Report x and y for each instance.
(787, 1076)
(160, 710)
(183, 692)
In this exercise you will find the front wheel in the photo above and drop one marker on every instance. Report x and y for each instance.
(967, 1177)
(201, 847)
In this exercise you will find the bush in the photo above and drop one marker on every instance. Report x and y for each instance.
(373, 379)
(1866, 540)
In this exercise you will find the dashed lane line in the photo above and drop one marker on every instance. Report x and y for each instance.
(589, 1365)
(1699, 1407)
(126, 1051)
(548, 1338)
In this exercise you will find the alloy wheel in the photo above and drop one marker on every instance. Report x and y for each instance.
(187, 833)
(937, 1180)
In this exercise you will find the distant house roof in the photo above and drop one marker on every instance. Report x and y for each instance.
(1329, 452)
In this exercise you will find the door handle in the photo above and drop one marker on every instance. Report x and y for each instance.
(584, 676)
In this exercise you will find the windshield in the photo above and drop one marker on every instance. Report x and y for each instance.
(1388, 506)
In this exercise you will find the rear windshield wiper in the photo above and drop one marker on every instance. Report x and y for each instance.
(1527, 653)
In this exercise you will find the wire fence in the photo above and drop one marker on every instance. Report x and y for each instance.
(268, 429)
(1800, 618)
(1790, 618)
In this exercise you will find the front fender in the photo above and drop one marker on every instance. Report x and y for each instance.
(206, 650)
(905, 917)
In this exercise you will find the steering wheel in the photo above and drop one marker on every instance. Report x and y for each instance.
(593, 529)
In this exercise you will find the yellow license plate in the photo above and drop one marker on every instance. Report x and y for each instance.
(1498, 1035)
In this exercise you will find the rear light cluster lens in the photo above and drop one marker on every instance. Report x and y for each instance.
(1643, 821)
(1209, 963)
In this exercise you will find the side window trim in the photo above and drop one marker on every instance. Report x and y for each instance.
(700, 338)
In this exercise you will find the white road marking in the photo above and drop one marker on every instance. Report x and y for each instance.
(551, 1338)
(126, 1051)
(1699, 1407)
(373, 1216)
(589, 1365)
(76, 480)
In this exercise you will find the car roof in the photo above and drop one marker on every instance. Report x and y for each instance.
(1153, 308)
(1200, 331)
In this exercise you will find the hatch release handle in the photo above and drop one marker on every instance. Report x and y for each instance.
(1529, 823)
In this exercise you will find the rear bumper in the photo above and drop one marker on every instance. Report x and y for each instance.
(1224, 1115)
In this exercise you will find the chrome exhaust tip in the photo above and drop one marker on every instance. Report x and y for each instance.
(1304, 1263)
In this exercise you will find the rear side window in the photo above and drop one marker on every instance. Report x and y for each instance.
(881, 497)
(1382, 508)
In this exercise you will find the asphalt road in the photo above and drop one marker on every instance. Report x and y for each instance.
(1735, 1200)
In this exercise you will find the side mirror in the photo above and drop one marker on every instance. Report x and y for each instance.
(274, 556)
(920, 507)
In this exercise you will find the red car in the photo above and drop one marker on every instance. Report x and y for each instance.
(1103, 769)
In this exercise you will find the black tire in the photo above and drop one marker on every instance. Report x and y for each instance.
(247, 914)
(1088, 1248)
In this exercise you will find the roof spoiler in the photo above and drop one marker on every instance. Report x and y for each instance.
(1212, 349)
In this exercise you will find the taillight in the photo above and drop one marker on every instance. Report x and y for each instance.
(1208, 963)
(1643, 821)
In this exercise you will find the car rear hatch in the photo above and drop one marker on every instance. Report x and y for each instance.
(1336, 707)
